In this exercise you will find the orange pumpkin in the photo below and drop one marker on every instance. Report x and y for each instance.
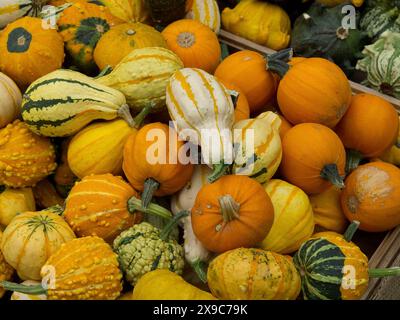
(98, 206)
(242, 109)
(247, 70)
(235, 211)
(372, 196)
(285, 126)
(314, 90)
(369, 127)
(196, 44)
(296, 60)
(313, 158)
(152, 162)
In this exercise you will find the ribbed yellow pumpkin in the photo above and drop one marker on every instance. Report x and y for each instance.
(14, 201)
(128, 10)
(6, 271)
(125, 37)
(25, 158)
(258, 21)
(259, 149)
(294, 220)
(207, 12)
(142, 76)
(31, 238)
(253, 274)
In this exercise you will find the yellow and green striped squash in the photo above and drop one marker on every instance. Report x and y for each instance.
(64, 101)
(142, 76)
(207, 12)
(203, 112)
(258, 157)
(11, 10)
(293, 221)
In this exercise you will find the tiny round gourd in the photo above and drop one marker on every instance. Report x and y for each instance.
(196, 44)
(28, 51)
(120, 40)
(254, 274)
(31, 238)
(313, 158)
(14, 201)
(235, 211)
(25, 158)
(10, 101)
(293, 220)
(372, 196)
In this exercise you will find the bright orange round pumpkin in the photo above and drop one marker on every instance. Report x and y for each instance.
(152, 162)
(372, 196)
(196, 44)
(242, 109)
(248, 70)
(98, 206)
(233, 212)
(313, 158)
(370, 126)
(314, 90)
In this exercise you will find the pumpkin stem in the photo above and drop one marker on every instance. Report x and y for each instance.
(150, 186)
(218, 171)
(200, 268)
(388, 272)
(124, 113)
(234, 96)
(353, 159)
(277, 62)
(342, 33)
(138, 120)
(135, 204)
(330, 172)
(107, 69)
(11, 286)
(229, 208)
(164, 234)
(351, 230)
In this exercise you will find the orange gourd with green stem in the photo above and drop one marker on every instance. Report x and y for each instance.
(151, 161)
(242, 109)
(313, 158)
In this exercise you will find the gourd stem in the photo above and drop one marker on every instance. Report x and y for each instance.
(11, 286)
(200, 268)
(150, 186)
(277, 62)
(351, 230)
(172, 223)
(330, 172)
(124, 113)
(234, 96)
(107, 69)
(218, 171)
(135, 204)
(138, 120)
(229, 208)
(353, 159)
(388, 272)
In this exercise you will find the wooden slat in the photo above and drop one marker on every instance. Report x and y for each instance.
(242, 44)
(388, 253)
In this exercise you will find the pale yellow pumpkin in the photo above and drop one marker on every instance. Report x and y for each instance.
(6, 271)
(15, 201)
(31, 238)
(293, 222)
(10, 100)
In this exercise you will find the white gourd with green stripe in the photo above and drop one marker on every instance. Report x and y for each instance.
(203, 112)
(207, 12)
(64, 101)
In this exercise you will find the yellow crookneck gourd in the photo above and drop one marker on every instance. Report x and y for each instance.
(258, 151)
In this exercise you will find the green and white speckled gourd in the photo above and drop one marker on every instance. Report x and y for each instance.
(381, 62)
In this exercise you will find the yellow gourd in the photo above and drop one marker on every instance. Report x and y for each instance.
(258, 21)
(6, 271)
(332, 3)
(14, 201)
(128, 10)
(162, 284)
(293, 222)
(393, 154)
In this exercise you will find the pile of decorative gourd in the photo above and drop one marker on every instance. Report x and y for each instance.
(84, 210)
(363, 41)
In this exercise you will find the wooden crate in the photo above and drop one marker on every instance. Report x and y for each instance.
(386, 252)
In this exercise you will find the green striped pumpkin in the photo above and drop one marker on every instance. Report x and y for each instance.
(64, 101)
(11, 10)
(381, 62)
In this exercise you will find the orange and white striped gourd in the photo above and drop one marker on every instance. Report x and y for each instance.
(10, 100)
(203, 112)
(293, 220)
(259, 149)
(207, 12)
